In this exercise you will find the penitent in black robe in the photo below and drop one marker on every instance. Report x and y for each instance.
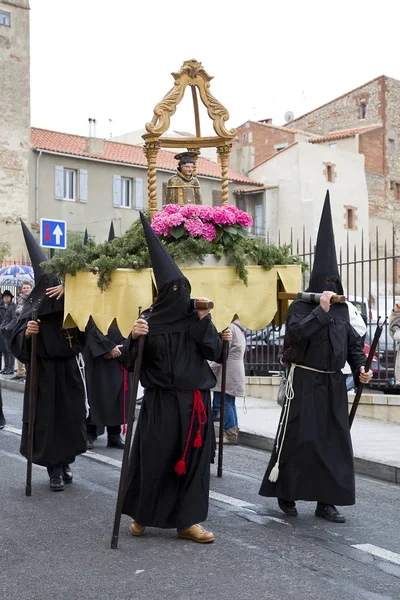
(108, 381)
(60, 432)
(174, 365)
(317, 459)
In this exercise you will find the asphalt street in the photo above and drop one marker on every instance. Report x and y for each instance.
(57, 545)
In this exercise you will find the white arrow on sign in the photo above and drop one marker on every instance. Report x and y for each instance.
(57, 234)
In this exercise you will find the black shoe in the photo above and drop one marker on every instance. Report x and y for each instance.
(114, 441)
(56, 484)
(67, 474)
(17, 378)
(90, 442)
(329, 512)
(10, 372)
(288, 507)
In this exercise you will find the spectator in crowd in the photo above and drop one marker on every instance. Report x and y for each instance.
(6, 327)
(235, 382)
(26, 289)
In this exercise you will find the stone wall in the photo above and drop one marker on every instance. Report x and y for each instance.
(344, 112)
(14, 122)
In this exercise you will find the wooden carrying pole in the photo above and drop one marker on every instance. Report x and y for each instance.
(225, 348)
(32, 408)
(128, 439)
(360, 387)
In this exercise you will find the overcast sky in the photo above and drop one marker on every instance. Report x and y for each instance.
(113, 60)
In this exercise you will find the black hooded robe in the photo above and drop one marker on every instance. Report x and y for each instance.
(108, 381)
(316, 462)
(174, 365)
(60, 432)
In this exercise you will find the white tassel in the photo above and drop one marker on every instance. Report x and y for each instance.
(273, 476)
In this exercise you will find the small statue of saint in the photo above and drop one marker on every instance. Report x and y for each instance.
(183, 188)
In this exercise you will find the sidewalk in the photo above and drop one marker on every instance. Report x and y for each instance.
(376, 444)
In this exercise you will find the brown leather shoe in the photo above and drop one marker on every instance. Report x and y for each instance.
(196, 533)
(231, 436)
(136, 529)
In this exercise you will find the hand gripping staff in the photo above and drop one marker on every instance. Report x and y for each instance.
(225, 349)
(360, 387)
(32, 408)
(128, 439)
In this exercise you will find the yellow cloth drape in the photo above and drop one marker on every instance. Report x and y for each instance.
(255, 305)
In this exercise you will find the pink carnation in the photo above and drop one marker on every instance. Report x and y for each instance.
(194, 227)
(190, 210)
(171, 209)
(175, 219)
(244, 219)
(209, 232)
(206, 213)
(160, 225)
(224, 216)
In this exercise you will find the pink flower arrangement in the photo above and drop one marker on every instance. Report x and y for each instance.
(196, 221)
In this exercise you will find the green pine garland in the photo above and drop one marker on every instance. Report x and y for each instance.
(130, 252)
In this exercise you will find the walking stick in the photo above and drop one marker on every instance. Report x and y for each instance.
(128, 438)
(225, 348)
(360, 388)
(32, 408)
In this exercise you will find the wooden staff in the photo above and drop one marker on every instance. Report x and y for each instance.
(32, 407)
(360, 387)
(225, 348)
(310, 297)
(128, 438)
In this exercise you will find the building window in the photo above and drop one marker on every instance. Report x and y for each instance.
(392, 145)
(397, 191)
(244, 138)
(241, 203)
(350, 217)
(362, 108)
(122, 191)
(65, 184)
(329, 172)
(250, 137)
(216, 198)
(5, 18)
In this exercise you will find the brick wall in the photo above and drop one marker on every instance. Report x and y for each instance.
(263, 138)
(344, 112)
(393, 145)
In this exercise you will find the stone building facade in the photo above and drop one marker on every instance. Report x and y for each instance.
(374, 103)
(14, 120)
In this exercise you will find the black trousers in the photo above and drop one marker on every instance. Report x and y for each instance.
(111, 430)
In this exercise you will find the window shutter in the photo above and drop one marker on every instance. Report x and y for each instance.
(117, 196)
(83, 185)
(139, 193)
(59, 183)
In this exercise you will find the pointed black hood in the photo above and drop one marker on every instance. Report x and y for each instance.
(37, 299)
(111, 233)
(35, 252)
(171, 312)
(85, 238)
(164, 267)
(325, 272)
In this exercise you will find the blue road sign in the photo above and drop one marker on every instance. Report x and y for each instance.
(53, 233)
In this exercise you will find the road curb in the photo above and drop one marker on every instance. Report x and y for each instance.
(14, 386)
(362, 466)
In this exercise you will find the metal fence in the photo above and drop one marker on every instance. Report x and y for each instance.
(370, 277)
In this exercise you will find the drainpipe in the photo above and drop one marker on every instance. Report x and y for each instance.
(37, 187)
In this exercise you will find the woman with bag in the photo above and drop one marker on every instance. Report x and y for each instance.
(235, 382)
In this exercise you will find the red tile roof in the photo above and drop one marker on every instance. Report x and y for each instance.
(254, 190)
(65, 143)
(344, 133)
